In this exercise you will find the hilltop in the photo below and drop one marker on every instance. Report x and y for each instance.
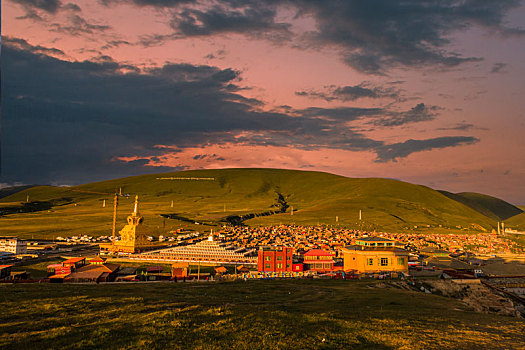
(207, 199)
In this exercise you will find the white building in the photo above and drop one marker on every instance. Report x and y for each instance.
(13, 245)
(208, 251)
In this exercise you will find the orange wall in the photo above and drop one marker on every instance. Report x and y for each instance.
(358, 261)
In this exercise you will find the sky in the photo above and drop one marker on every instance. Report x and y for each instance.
(429, 92)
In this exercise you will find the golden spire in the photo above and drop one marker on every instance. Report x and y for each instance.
(136, 209)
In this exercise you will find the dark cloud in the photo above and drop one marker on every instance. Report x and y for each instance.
(419, 113)
(377, 35)
(372, 36)
(208, 157)
(352, 93)
(403, 149)
(24, 45)
(68, 122)
(463, 126)
(156, 39)
(115, 43)
(50, 6)
(498, 68)
(35, 9)
(72, 7)
(78, 26)
(252, 20)
(151, 3)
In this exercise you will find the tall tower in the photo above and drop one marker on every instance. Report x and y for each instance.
(134, 236)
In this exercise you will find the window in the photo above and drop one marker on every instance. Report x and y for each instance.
(401, 261)
(370, 261)
(384, 261)
(326, 266)
(267, 266)
(287, 266)
(267, 258)
(279, 258)
(279, 266)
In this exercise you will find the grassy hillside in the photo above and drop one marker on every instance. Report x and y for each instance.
(492, 207)
(304, 314)
(209, 196)
(516, 222)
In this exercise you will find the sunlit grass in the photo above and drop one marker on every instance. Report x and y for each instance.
(245, 315)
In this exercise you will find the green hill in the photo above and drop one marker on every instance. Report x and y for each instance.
(492, 207)
(516, 222)
(205, 199)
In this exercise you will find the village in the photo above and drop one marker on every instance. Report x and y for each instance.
(273, 252)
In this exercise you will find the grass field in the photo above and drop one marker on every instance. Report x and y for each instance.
(301, 314)
(387, 205)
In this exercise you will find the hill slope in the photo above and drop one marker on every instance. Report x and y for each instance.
(492, 207)
(261, 196)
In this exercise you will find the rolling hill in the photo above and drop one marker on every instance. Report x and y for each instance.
(492, 207)
(207, 199)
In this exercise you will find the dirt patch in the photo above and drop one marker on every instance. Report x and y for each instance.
(475, 295)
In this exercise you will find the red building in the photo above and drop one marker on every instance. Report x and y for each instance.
(275, 259)
(66, 267)
(58, 269)
(297, 267)
(318, 260)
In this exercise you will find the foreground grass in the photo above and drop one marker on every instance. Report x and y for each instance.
(246, 315)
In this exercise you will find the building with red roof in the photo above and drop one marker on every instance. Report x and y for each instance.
(318, 260)
(94, 273)
(75, 262)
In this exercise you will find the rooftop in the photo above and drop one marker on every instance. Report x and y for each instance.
(375, 239)
(317, 252)
(376, 249)
(73, 260)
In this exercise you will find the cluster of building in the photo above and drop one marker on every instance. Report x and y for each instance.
(77, 270)
(12, 246)
(482, 243)
(369, 255)
(333, 239)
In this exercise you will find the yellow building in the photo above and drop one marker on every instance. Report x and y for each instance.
(133, 237)
(375, 254)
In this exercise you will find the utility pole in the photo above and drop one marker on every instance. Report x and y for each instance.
(104, 203)
(291, 211)
(27, 199)
(359, 214)
(115, 205)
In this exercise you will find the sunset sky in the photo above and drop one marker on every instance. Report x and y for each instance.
(429, 92)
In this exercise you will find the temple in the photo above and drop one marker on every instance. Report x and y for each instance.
(207, 251)
(133, 237)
